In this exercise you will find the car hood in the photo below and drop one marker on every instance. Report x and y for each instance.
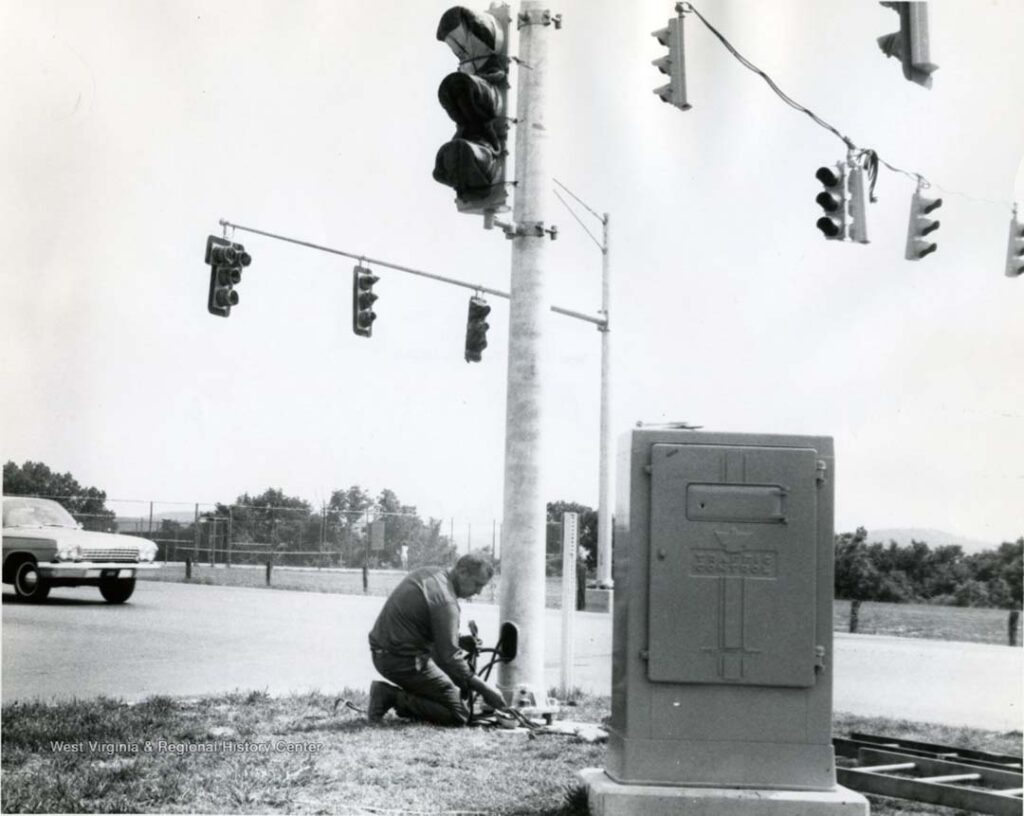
(86, 539)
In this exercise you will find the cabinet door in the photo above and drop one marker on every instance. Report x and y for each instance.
(733, 565)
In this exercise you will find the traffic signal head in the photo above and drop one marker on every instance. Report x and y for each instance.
(475, 97)
(921, 226)
(673, 64)
(226, 260)
(362, 301)
(1015, 249)
(833, 201)
(910, 43)
(857, 205)
(476, 329)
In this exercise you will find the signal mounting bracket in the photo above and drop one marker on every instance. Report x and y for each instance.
(514, 230)
(539, 18)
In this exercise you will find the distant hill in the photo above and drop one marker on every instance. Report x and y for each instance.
(933, 538)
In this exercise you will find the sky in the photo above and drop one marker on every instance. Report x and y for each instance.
(132, 128)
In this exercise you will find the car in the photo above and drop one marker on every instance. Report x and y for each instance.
(45, 547)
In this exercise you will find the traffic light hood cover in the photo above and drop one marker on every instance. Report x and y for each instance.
(476, 39)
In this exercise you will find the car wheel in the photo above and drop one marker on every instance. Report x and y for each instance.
(116, 591)
(29, 584)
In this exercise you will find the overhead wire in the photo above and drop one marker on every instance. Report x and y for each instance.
(579, 220)
(871, 157)
(689, 7)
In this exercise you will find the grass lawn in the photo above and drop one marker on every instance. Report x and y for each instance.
(298, 754)
(902, 620)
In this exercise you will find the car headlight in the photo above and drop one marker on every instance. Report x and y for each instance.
(69, 552)
(147, 553)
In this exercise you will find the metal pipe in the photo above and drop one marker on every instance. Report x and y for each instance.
(604, 516)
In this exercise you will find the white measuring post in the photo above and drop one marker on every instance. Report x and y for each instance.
(570, 547)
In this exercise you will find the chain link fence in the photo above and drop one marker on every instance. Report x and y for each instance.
(244, 534)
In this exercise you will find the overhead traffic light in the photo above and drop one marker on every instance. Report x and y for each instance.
(1015, 249)
(476, 99)
(921, 226)
(910, 43)
(673, 64)
(856, 205)
(833, 201)
(476, 329)
(226, 260)
(362, 301)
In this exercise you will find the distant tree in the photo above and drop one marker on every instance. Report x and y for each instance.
(352, 501)
(430, 548)
(345, 523)
(880, 572)
(1000, 572)
(856, 576)
(269, 518)
(86, 504)
(946, 572)
(402, 526)
(972, 593)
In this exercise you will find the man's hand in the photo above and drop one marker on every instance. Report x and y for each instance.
(489, 694)
(494, 698)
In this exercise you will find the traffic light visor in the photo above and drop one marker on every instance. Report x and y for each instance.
(826, 177)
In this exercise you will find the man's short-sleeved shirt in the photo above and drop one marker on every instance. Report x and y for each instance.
(421, 617)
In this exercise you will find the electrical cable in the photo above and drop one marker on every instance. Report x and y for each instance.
(689, 7)
(873, 159)
(583, 226)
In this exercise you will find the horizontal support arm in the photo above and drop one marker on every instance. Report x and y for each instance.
(599, 321)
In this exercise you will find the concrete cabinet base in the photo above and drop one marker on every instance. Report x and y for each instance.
(609, 798)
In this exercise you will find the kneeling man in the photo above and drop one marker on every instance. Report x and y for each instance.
(415, 645)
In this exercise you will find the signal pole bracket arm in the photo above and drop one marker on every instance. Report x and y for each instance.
(539, 18)
(514, 230)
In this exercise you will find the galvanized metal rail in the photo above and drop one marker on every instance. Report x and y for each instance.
(934, 774)
(849, 747)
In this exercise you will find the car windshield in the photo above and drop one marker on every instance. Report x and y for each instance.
(36, 513)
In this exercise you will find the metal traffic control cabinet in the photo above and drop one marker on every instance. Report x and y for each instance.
(722, 633)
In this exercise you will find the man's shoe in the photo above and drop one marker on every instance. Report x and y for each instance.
(382, 700)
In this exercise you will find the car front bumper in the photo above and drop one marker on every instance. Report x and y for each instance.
(92, 570)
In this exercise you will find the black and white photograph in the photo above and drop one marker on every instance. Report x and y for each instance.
(537, 409)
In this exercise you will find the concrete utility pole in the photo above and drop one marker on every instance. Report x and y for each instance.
(604, 514)
(524, 526)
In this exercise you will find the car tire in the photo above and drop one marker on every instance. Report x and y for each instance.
(117, 591)
(29, 585)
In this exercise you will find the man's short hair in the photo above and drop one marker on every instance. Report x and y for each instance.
(477, 563)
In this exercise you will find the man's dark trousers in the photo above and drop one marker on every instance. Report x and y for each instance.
(426, 692)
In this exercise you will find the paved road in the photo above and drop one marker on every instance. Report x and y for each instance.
(185, 639)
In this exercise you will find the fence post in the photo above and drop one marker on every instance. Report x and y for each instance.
(1012, 626)
(323, 534)
(188, 568)
(227, 554)
(195, 534)
(854, 615)
(270, 567)
(366, 555)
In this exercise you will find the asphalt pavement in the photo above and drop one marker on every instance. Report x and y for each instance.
(190, 640)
